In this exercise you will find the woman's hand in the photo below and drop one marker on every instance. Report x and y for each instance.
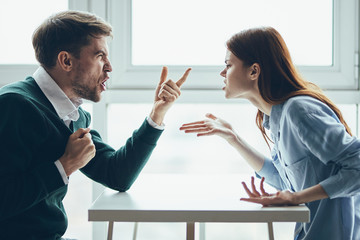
(210, 126)
(279, 198)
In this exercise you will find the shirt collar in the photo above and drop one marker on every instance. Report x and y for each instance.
(65, 108)
(272, 122)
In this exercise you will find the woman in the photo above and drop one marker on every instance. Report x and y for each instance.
(315, 160)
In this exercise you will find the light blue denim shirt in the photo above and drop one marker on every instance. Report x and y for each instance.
(312, 147)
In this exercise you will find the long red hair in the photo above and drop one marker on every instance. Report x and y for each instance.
(278, 80)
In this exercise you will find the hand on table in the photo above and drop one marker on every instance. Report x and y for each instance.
(280, 198)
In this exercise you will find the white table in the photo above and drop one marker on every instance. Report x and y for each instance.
(189, 199)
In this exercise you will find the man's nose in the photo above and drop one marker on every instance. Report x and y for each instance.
(108, 67)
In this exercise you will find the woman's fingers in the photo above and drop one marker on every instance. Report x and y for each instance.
(211, 116)
(254, 187)
(262, 189)
(247, 190)
(192, 124)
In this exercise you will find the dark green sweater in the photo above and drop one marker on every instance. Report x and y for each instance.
(32, 138)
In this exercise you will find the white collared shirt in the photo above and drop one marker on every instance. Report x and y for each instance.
(66, 109)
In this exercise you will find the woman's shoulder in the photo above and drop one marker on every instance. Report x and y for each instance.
(299, 108)
(304, 105)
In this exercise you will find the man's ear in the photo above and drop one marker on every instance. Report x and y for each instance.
(255, 71)
(65, 61)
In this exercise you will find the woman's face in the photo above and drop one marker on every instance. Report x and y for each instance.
(239, 81)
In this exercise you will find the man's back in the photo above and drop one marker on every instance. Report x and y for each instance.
(33, 137)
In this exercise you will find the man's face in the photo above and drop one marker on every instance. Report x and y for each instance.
(90, 71)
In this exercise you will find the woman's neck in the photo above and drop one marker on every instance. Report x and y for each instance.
(261, 104)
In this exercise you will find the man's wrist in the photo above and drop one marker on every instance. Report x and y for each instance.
(157, 117)
(154, 124)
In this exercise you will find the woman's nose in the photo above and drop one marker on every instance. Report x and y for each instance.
(223, 73)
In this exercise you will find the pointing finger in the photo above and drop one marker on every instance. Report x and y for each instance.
(183, 78)
(164, 74)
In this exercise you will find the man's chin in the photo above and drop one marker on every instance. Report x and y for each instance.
(95, 98)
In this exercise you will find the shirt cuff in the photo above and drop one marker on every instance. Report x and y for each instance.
(155, 125)
(62, 171)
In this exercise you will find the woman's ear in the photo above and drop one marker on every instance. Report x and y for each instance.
(254, 71)
(65, 61)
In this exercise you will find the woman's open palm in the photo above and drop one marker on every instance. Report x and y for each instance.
(210, 126)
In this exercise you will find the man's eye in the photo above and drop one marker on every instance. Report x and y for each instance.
(227, 66)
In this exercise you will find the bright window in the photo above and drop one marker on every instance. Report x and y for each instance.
(178, 152)
(18, 20)
(191, 32)
(322, 37)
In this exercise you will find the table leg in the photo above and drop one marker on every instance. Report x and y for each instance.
(110, 230)
(135, 230)
(271, 231)
(190, 231)
(201, 231)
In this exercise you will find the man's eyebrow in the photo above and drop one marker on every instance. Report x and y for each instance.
(100, 51)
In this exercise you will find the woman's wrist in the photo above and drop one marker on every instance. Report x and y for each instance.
(232, 139)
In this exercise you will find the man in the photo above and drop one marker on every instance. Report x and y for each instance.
(44, 134)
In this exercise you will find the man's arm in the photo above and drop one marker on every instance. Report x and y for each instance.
(119, 169)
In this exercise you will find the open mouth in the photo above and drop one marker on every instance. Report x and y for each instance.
(103, 85)
(224, 86)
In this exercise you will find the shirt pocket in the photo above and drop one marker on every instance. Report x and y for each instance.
(279, 166)
(301, 174)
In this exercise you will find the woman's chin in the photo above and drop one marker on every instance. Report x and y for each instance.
(228, 96)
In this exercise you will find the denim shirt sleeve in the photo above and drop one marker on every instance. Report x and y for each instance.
(271, 175)
(322, 133)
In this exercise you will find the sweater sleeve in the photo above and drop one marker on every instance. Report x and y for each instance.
(119, 169)
(24, 181)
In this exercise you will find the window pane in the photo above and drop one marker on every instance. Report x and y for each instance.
(190, 32)
(17, 24)
(197, 155)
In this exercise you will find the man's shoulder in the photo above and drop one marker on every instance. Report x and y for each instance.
(25, 87)
(21, 96)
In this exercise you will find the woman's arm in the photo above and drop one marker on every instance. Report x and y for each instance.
(217, 126)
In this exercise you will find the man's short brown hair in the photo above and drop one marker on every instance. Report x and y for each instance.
(66, 31)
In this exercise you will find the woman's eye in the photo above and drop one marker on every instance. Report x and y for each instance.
(227, 66)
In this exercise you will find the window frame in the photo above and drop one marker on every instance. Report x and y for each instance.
(342, 75)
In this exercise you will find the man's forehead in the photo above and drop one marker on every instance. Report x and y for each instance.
(98, 44)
